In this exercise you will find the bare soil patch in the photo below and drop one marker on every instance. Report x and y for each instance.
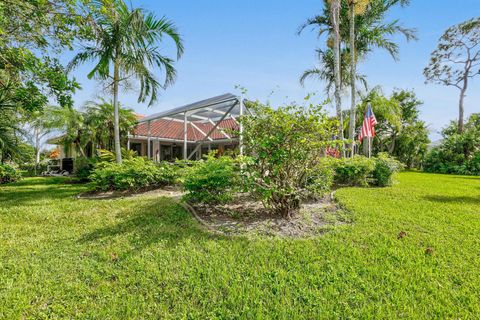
(245, 216)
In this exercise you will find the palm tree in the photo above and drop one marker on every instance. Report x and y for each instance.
(100, 126)
(70, 121)
(325, 71)
(335, 22)
(371, 32)
(126, 46)
(356, 7)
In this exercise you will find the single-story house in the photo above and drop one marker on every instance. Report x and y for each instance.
(185, 132)
(189, 131)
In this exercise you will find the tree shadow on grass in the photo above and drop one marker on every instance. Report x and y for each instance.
(469, 178)
(158, 220)
(29, 194)
(36, 181)
(453, 199)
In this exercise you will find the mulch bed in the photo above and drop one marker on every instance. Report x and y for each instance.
(167, 191)
(245, 216)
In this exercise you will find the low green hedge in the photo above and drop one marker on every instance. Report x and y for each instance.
(363, 172)
(213, 180)
(356, 171)
(216, 180)
(385, 168)
(320, 180)
(9, 174)
(32, 169)
(132, 174)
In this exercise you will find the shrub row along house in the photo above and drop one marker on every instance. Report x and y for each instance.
(185, 132)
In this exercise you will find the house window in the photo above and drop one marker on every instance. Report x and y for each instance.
(137, 147)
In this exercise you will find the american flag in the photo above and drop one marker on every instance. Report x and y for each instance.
(368, 127)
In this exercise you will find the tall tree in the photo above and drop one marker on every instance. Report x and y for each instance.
(456, 60)
(38, 127)
(126, 45)
(370, 32)
(399, 130)
(32, 34)
(335, 17)
(356, 7)
(71, 122)
(100, 125)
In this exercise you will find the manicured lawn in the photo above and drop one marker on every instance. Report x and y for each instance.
(145, 257)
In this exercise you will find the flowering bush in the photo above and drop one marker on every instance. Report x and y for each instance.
(54, 154)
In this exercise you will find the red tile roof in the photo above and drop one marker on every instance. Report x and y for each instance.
(169, 129)
(139, 116)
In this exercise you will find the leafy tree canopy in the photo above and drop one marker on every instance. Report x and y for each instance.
(399, 130)
(371, 32)
(456, 60)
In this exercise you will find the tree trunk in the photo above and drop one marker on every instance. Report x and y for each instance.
(335, 8)
(37, 149)
(351, 127)
(391, 148)
(461, 110)
(463, 90)
(116, 124)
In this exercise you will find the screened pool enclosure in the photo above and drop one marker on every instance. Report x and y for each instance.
(190, 131)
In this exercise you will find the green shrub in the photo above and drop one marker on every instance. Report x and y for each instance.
(132, 174)
(363, 172)
(109, 156)
(32, 170)
(385, 167)
(356, 171)
(8, 174)
(168, 173)
(458, 153)
(443, 160)
(286, 145)
(213, 180)
(83, 167)
(320, 179)
(182, 169)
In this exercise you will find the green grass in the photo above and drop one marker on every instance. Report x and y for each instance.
(145, 257)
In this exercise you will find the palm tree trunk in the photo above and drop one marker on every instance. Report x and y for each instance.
(116, 130)
(335, 8)
(351, 127)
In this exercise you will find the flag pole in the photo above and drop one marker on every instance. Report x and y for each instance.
(369, 147)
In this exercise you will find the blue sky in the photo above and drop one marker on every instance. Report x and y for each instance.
(254, 44)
